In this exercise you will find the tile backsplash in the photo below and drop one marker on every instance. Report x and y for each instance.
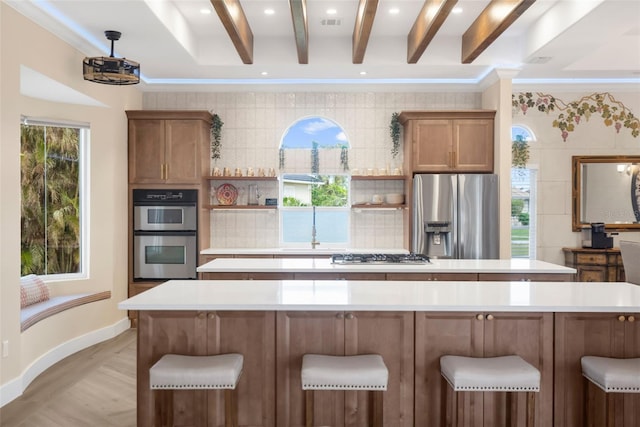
(254, 124)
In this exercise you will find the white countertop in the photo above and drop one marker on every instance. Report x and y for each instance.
(319, 295)
(298, 251)
(323, 265)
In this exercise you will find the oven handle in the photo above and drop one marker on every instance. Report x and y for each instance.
(165, 233)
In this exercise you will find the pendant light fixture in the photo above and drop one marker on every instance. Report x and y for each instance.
(111, 70)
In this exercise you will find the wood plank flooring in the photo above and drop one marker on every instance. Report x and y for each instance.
(94, 387)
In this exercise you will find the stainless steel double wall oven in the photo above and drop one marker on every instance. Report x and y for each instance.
(165, 234)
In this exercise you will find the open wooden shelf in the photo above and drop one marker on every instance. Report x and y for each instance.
(377, 177)
(379, 206)
(242, 178)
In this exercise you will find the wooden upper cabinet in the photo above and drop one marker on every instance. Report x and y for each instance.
(449, 141)
(168, 147)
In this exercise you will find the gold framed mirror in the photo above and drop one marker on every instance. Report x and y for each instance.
(606, 189)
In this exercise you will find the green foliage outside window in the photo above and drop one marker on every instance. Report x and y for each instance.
(333, 192)
(50, 209)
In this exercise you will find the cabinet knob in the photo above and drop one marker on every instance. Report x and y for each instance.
(212, 315)
(349, 316)
(489, 316)
(621, 318)
(340, 316)
(202, 315)
(480, 317)
(631, 319)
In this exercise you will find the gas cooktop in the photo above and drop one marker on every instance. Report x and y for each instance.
(379, 259)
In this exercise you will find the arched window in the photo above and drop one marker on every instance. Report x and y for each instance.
(523, 199)
(315, 187)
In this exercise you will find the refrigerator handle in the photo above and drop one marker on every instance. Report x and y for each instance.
(418, 217)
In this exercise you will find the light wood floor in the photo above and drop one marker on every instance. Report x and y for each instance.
(94, 387)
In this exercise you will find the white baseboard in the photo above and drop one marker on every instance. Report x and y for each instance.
(14, 388)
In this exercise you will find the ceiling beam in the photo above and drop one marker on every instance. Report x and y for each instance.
(364, 22)
(300, 29)
(428, 22)
(493, 21)
(235, 22)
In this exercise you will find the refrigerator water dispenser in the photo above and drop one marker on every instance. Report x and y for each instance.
(438, 237)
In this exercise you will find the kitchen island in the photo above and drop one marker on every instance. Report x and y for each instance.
(436, 269)
(411, 324)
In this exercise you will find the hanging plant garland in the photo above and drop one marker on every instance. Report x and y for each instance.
(216, 136)
(344, 158)
(519, 152)
(394, 132)
(315, 160)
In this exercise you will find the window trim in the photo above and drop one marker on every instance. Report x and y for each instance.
(84, 185)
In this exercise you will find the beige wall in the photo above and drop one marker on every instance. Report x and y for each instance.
(23, 43)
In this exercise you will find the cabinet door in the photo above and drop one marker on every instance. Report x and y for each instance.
(577, 335)
(164, 332)
(436, 335)
(631, 401)
(525, 277)
(473, 145)
(183, 142)
(432, 146)
(592, 273)
(300, 333)
(530, 336)
(389, 334)
(252, 334)
(146, 151)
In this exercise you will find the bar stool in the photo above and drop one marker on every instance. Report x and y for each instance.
(361, 372)
(611, 376)
(509, 374)
(180, 372)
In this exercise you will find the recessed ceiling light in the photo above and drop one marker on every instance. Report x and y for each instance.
(363, 73)
(269, 11)
(264, 73)
(205, 11)
(456, 10)
(394, 11)
(331, 11)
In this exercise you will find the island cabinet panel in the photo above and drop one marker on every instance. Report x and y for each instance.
(529, 335)
(339, 276)
(454, 277)
(593, 334)
(246, 276)
(389, 334)
(251, 333)
(525, 277)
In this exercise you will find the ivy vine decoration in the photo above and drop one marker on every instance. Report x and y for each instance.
(216, 136)
(394, 132)
(344, 158)
(315, 160)
(519, 152)
(613, 112)
(281, 159)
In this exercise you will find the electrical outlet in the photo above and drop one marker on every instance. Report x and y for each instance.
(5, 348)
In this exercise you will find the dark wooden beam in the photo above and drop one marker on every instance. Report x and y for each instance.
(488, 26)
(429, 20)
(300, 29)
(237, 26)
(364, 22)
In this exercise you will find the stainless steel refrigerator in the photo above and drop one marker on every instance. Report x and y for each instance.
(456, 216)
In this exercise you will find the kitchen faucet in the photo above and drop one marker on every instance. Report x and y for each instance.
(314, 242)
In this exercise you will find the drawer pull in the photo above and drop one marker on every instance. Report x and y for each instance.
(340, 316)
(631, 319)
(202, 315)
(489, 316)
(349, 316)
(621, 318)
(480, 317)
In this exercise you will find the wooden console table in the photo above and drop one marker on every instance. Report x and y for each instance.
(595, 265)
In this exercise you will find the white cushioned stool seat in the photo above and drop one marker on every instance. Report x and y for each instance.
(361, 372)
(504, 373)
(175, 371)
(612, 375)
